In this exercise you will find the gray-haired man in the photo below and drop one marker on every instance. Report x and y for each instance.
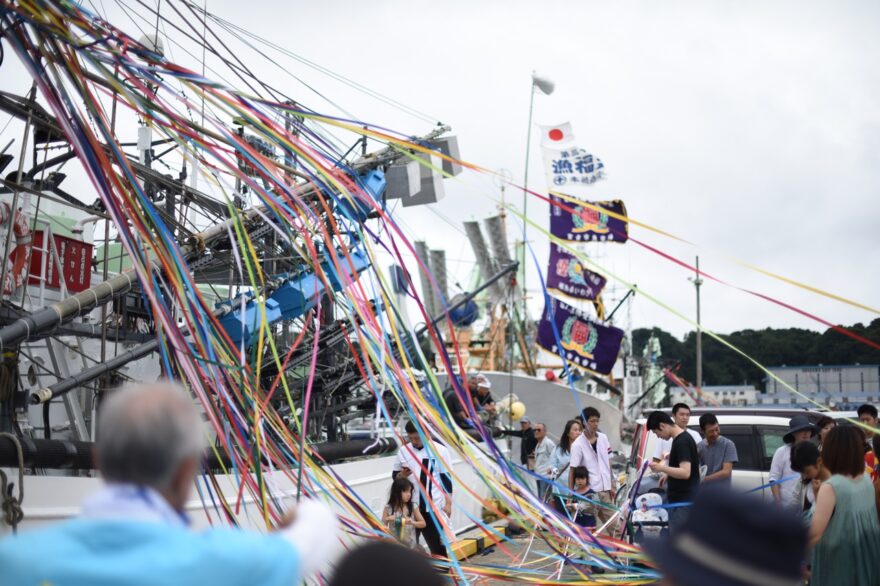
(135, 530)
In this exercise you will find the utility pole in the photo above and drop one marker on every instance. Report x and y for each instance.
(697, 282)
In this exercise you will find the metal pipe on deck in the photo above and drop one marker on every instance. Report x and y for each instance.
(76, 455)
(64, 386)
(53, 315)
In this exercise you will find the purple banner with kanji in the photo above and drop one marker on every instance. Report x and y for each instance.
(584, 342)
(567, 275)
(588, 224)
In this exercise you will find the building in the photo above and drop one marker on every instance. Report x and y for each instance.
(847, 378)
(836, 401)
(844, 387)
(721, 395)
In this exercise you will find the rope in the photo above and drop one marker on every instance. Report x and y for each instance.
(11, 506)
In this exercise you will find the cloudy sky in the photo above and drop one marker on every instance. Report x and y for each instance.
(749, 129)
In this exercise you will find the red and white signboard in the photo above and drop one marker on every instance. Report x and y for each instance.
(76, 262)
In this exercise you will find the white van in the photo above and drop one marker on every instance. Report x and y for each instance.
(757, 437)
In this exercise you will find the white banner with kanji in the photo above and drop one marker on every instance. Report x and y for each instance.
(565, 163)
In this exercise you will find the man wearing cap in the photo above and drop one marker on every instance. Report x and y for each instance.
(732, 539)
(480, 387)
(786, 487)
(528, 444)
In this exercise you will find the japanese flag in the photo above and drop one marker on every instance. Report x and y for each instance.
(556, 136)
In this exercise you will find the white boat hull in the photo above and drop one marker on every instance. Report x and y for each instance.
(52, 499)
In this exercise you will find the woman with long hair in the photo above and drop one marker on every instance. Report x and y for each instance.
(561, 455)
(844, 531)
(400, 516)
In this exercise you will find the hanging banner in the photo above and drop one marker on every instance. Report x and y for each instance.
(584, 342)
(572, 166)
(566, 164)
(566, 275)
(587, 224)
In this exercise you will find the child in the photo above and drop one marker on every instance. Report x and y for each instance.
(401, 518)
(582, 511)
(806, 460)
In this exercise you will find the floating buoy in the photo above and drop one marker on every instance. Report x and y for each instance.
(517, 410)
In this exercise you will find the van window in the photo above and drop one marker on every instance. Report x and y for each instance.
(771, 440)
(743, 437)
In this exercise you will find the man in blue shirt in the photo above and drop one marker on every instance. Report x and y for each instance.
(135, 531)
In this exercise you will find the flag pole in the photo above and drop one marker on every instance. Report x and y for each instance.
(524, 264)
(546, 86)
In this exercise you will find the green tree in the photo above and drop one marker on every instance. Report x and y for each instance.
(770, 347)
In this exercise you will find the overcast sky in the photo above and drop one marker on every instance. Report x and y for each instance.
(748, 128)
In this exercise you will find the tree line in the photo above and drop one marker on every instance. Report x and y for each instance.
(770, 347)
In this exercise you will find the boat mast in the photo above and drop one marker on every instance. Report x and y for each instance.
(697, 282)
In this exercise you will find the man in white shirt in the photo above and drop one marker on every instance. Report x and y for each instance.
(681, 415)
(593, 451)
(543, 453)
(786, 492)
(427, 468)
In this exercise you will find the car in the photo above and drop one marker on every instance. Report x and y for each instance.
(756, 438)
(756, 433)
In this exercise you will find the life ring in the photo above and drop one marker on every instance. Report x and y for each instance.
(16, 262)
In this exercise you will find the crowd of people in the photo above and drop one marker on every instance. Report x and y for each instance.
(480, 397)
(824, 522)
(575, 476)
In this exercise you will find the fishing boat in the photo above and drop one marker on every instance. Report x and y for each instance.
(58, 369)
(159, 223)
